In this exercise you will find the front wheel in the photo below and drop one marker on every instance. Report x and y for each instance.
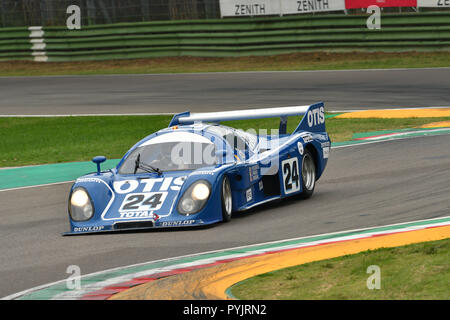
(227, 199)
(308, 175)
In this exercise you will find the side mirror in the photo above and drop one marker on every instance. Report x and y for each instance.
(98, 160)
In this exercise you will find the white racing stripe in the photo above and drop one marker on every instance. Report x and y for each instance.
(386, 139)
(225, 72)
(399, 134)
(40, 185)
(83, 115)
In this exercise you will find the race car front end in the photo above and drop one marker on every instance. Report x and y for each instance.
(109, 202)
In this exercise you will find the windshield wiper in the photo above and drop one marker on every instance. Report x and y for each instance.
(145, 166)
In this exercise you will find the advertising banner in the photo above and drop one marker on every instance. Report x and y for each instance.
(234, 8)
(434, 3)
(355, 4)
(310, 6)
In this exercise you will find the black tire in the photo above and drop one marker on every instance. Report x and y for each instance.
(227, 199)
(308, 174)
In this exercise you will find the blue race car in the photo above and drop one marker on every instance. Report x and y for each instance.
(197, 172)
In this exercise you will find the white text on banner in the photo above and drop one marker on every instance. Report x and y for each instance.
(233, 8)
(249, 7)
(309, 6)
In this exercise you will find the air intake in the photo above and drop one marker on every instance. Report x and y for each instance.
(133, 225)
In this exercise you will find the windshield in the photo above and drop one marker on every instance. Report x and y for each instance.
(170, 156)
(242, 142)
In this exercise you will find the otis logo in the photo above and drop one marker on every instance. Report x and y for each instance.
(158, 184)
(316, 116)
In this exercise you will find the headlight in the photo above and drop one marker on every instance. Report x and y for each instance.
(194, 198)
(200, 191)
(80, 205)
(79, 198)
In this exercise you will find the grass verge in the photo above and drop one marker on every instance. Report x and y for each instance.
(29, 141)
(283, 62)
(417, 271)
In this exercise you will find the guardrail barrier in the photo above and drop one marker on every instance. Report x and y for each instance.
(228, 37)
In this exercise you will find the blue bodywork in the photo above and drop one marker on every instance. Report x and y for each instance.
(255, 175)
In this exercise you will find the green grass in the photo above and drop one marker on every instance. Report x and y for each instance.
(418, 271)
(29, 141)
(282, 62)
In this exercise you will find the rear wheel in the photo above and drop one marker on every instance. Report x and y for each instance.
(308, 175)
(227, 199)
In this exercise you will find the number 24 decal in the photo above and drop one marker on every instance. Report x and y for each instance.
(143, 201)
(290, 175)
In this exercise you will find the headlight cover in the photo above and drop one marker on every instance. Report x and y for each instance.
(80, 205)
(194, 198)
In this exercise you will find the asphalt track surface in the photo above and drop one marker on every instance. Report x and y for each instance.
(170, 93)
(363, 186)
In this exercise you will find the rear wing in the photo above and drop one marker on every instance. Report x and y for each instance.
(314, 119)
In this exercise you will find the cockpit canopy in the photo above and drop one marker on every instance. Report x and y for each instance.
(174, 151)
(180, 150)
